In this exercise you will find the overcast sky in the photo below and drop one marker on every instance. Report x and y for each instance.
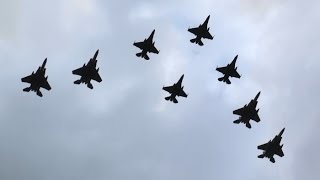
(123, 129)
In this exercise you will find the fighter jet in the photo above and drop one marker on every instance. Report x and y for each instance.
(201, 32)
(88, 72)
(146, 46)
(272, 147)
(37, 80)
(229, 71)
(175, 90)
(248, 112)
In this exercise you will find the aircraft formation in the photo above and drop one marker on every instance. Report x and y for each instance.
(89, 72)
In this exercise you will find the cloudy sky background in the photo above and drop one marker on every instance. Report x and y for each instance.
(123, 129)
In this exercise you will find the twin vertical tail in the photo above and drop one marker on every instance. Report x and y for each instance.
(225, 79)
(197, 41)
(170, 98)
(142, 55)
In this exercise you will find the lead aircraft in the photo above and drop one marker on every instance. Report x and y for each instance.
(201, 32)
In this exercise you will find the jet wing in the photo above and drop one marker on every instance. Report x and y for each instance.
(263, 146)
(182, 93)
(279, 152)
(223, 70)
(45, 84)
(96, 77)
(240, 111)
(194, 31)
(207, 35)
(153, 49)
(27, 79)
(78, 71)
(169, 89)
(139, 45)
(235, 74)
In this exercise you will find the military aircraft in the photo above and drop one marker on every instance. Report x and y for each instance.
(229, 71)
(146, 46)
(88, 72)
(248, 112)
(37, 80)
(175, 90)
(272, 147)
(201, 32)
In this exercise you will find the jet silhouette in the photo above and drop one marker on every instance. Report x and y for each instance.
(201, 32)
(175, 90)
(272, 147)
(88, 72)
(248, 112)
(37, 80)
(146, 46)
(229, 71)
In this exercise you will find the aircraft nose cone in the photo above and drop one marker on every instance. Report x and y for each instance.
(281, 132)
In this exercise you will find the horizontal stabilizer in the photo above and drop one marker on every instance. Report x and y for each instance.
(175, 100)
(27, 89)
(146, 57)
(39, 93)
(248, 125)
(192, 40)
(237, 121)
(77, 82)
(227, 81)
(89, 85)
(200, 43)
(272, 160)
